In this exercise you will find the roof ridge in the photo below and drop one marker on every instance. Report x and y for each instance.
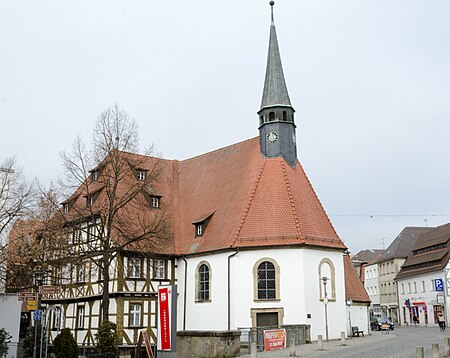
(218, 149)
(291, 199)
(249, 203)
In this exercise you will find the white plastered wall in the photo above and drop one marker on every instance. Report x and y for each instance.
(299, 291)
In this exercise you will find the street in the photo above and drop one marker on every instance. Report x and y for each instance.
(400, 343)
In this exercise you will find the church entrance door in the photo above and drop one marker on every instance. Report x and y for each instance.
(267, 319)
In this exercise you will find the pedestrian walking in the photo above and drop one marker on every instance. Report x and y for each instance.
(441, 322)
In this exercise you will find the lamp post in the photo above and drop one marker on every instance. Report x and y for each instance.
(38, 276)
(325, 302)
(349, 303)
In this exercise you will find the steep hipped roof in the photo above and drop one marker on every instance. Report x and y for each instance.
(275, 90)
(354, 290)
(403, 243)
(431, 252)
(255, 201)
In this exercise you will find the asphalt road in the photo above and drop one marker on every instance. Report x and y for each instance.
(400, 343)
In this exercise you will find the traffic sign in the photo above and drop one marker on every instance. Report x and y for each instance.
(37, 315)
(50, 290)
(24, 296)
(31, 305)
(439, 285)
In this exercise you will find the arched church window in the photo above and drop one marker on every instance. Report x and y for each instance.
(261, 119)
(285, 116)
(203, 282)
(266, 275)
(271, 116)
(292, 118)
(327, 280)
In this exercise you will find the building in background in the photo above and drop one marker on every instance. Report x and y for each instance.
(362, 258)
(388, 267)
(372, 285)
(423, 279)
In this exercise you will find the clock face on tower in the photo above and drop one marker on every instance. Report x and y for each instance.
(272, 137)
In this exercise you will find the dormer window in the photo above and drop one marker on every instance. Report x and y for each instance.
(89, 201)
(141, 174)
(66, 208)
(199, 229)
(95, 175)
(201, 224)
(155, 202)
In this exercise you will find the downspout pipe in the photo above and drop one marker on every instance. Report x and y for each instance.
(229, 287)
(184, 294)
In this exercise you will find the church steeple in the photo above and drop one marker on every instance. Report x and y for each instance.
(276, 116)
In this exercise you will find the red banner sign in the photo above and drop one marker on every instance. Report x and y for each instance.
(274, 339)
(164, 298)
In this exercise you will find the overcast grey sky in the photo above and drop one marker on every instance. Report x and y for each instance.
(370, 81)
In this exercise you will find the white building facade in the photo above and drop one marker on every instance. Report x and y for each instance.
(423, 296)
(298, 291)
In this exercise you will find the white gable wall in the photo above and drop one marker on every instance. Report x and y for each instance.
(299, 291)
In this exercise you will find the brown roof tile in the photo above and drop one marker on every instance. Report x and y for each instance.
(354, 289)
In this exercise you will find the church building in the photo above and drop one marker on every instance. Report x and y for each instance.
(251, 245)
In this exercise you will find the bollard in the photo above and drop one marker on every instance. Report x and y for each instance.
(447, 346)
(343, 339)
(253, 350)
(320, 342)
(292, 348)
(435, 350)
(419, 352)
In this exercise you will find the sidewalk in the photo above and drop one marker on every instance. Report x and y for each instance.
(308, 350)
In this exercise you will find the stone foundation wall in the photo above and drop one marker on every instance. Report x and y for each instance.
(206, 344)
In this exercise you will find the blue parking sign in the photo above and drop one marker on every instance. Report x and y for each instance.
(37, 315)
(439, 285)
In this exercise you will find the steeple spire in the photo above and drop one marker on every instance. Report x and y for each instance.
(275, 89)
(276, 116)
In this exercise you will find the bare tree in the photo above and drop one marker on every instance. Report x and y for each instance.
(112, 187)
(37, 240)
(17, 198)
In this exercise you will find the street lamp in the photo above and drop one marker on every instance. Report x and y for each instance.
(325, 302)
(349, 303)
(38, 276)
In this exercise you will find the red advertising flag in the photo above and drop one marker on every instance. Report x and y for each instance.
(164, 317)
(274, 339)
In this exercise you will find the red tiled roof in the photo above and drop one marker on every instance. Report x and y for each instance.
(256, 202)
(354, 289)
(250, 201)
(23, 232)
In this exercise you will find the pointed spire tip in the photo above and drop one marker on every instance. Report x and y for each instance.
(271, 3)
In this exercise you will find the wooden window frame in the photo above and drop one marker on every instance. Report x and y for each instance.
(157, 267)
(80, 318)
(133, 314)
(134, 267)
